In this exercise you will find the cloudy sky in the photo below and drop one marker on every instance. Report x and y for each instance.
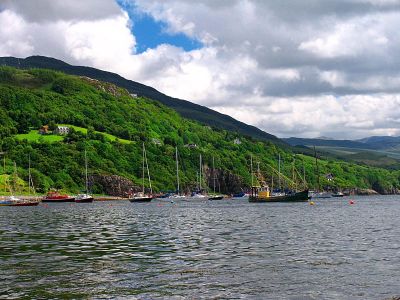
(292, 68)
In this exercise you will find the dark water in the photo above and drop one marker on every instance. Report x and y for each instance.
(204, 250)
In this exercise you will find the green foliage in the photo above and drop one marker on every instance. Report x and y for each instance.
(111, 125)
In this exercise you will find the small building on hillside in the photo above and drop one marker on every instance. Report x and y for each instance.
(44, 129)
(237, 141)
(191, 146)
(156, 141)
(62, 130)
(329, 176)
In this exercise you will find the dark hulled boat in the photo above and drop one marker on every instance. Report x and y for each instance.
(217, 197)
(141, 199)
(262, 195)
(84, 198)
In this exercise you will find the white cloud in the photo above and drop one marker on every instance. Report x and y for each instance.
(327, 68)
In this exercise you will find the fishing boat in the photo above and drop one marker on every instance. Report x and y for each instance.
(262, 194)
(56, 197)
(86, 197)
(142, 197)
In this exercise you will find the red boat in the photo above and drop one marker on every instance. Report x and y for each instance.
(55, 197)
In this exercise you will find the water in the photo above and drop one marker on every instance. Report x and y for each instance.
(228, 249)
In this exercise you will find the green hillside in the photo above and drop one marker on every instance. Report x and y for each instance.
(185, 108)
(112, 125)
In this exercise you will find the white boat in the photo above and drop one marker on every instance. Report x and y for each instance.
(85, 198)
(320, 195)
(177, 195)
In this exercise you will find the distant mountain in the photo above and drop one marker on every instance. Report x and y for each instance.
(327, 143)
(382, 142)
(369, 143)
(185, 108)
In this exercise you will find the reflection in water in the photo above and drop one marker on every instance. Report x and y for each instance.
(224, 249)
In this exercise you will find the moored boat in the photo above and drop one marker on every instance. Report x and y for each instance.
(142, 197)
(216, 197)
(84, 198)
(56, 197)
(262, 194)
(320, 195)
(14, 201)
(338, 194)
(239, 195)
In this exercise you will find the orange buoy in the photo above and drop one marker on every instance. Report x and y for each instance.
(311, 202)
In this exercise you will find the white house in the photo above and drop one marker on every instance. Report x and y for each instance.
(237, 141)
(62, 130)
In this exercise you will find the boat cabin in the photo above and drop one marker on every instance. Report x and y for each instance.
(260, 191)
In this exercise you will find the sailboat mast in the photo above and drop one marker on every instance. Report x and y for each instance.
(293, 175)
(148, 171)
(279, 171)
(213, 173)
(29, 174)
(201, 169)
(4, 171)
(143, 170)
(304, 175)
(177, 168)
(316, 164)
(15, 178)
(86, 174)
(251, 169)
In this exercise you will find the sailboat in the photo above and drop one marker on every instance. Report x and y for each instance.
(198, 193)
(141, 197)
(86, 197)
(319, 194)
(15, 201)
(215, 196)
(177, 194)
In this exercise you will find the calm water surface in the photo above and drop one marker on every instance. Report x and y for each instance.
(228, 249)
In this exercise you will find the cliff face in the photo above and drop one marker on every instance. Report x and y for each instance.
(225, 181)
(114, 185)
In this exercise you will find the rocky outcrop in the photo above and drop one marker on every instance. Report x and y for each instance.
(225, 181)
(113, 185)
(365, 192)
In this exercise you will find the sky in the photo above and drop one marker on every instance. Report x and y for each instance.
(292, 68)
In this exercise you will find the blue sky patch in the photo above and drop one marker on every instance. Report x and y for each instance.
(150, 33)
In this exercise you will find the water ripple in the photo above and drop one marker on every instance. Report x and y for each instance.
(202, 250)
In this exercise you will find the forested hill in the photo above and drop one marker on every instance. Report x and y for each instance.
(185, 108)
